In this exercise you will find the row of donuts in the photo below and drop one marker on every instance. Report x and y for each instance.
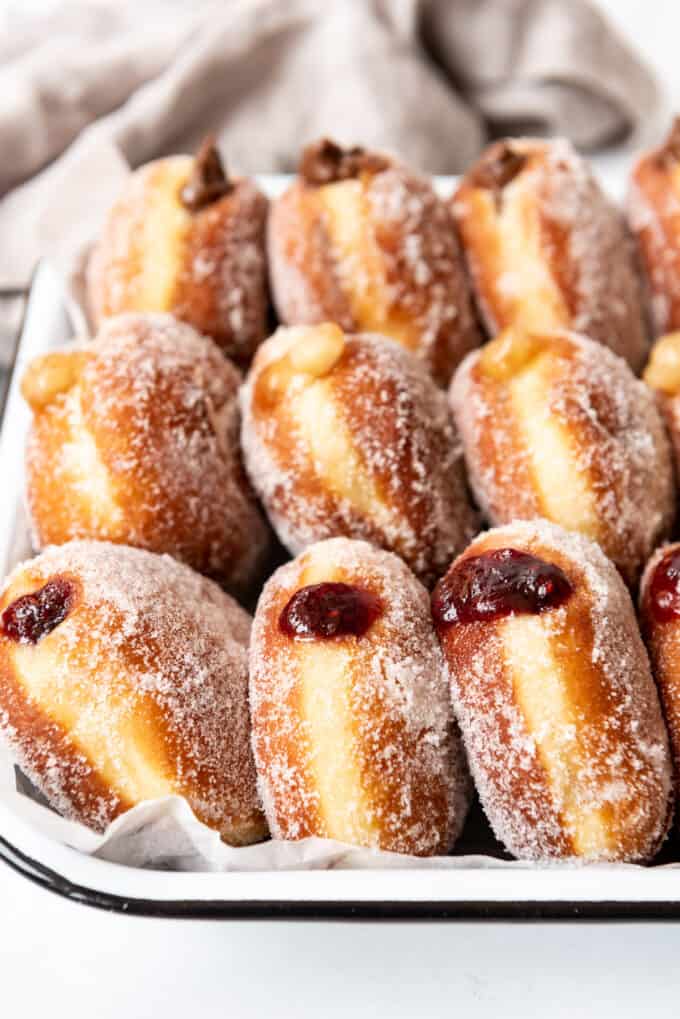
(126, 676)
(141, 435)
(528, 240)
(164, 398)
(135, 428)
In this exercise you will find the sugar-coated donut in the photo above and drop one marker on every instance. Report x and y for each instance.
(546, 249)
(553, 692)
(663, 375)
(653, 206)
(352, 727)
(361, 240)
(124, 677)
(556, 426)
(660, 616)
(349, 436)
(135, 440)
(187, 239)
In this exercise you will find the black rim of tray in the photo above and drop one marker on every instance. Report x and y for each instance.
(344, 910)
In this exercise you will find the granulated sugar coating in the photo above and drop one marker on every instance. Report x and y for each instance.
(353, 736)
(653, 206)
(140, 692)
(367, 450)
(143, 449)
(559, 713)
(207, 267)
(550, 248)
(572, 436)
(376, 254)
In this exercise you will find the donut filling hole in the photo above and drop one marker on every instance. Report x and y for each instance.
(322, 611)
(326, 162)
(503, 582)
(663, 590)
(510, 353)
(312, 355)
(663, 368)
(208, 181)
(51, 375)
(498, 170)
(32, 616)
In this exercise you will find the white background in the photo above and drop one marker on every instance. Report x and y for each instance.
(58, 959)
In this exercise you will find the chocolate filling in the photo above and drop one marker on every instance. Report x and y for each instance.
(324, 162)
(208, 181)
(497, 169)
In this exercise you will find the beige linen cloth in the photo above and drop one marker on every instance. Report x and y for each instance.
(92, 89)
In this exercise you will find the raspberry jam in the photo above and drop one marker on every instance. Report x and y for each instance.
(31, 617)
(499, 583)
(322, 611)
(663, 591)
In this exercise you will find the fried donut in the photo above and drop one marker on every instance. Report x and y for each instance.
(352, 728)
(554, 696)
(546, 249)
(555, 426)
(654, 216)
(360, 240)
(660, 616)
(123, 677)
(349, 436)
(662, 374)
(135, 440)
(187, 239)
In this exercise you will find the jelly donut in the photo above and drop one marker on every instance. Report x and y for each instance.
(135, 440)
(554, 696)
(660, 618)
(187, 239)
(556, 426)
(353, 733)
(348, 436)
(653, 207)
(124, 677)
(546, 249)
(360, 240)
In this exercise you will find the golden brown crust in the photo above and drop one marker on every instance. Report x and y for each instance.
(663, 643)
(374, 249)
(139, 692)
(582, 445)
(142, 449)
(304, 276)
(559, 714)
(206, 266)
(654, 218)
(383, 766)
(366, 451)
(546, 249)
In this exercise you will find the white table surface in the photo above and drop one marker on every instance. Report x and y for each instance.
(59, 959)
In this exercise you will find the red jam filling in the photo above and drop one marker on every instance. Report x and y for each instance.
(323, 611)
(31, 617)
(663, 591)
(499, 583)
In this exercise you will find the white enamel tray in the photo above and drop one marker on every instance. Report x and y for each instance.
(471, 891)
